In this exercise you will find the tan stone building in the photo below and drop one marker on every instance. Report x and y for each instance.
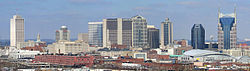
(66, 47)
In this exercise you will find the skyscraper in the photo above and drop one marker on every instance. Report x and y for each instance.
(16, 30)
(227, 34)
(95, 34)
(117, 31)
(198, 36)
(153, 36)
(139, 32)
(63, 34)
(166, 33)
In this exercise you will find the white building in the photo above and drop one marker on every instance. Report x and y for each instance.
(16, 30)
(19, 54)
(167, 51)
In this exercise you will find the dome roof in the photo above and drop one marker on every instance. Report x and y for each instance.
(198, 52)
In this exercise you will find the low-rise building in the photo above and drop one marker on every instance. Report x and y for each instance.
(21, 54)
(66, 60)
(30, 43)
(117, 53)
(167, 51)
(197, 55)
(237, 52)
(69, 47)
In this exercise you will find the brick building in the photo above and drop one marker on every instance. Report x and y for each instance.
(66, 60)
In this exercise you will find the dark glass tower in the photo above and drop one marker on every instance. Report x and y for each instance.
(198, 36)
(153, 37)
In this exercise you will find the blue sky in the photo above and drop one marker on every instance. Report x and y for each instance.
(46, 16)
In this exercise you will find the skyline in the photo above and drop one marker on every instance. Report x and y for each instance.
(47, 18)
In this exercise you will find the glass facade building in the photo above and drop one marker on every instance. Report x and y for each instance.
(95, 34)
(153, 37)
(198, 36)
(227, 37)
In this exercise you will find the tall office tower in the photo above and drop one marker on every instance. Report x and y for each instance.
(139, 32)
(153, 36)
(95, 34)
(227, 34)
(166, 33)
(16, 30)
(117, 31)
(198, 36)
(63, 34)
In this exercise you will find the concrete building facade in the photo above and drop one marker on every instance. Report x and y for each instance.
(139, 32)
(166, 33)
(68, 47)
(117, 31)
(16, 30)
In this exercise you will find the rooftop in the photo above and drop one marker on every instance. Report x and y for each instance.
(197, 52)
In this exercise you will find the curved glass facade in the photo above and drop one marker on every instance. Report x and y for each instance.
(227, 24)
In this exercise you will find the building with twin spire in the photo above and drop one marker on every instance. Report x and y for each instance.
(227, 32)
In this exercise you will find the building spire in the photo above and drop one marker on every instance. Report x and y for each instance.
(38, 38)
(219, 12)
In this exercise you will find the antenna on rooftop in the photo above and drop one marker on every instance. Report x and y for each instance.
(16, 11)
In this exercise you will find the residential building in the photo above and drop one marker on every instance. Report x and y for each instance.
(95, 34)
(227, 34)
(166, 33)
(139, 32)
(16, 30)
(198, 36)
(153, 37)
(117, 31)
(63, 34)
